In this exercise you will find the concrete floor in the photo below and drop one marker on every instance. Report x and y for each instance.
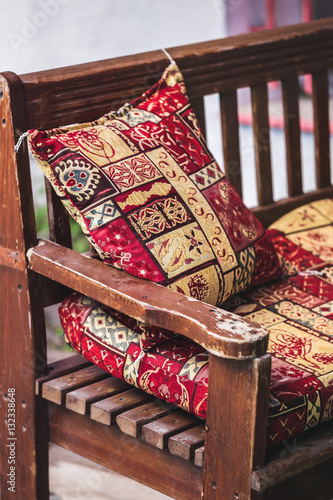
(75, 478)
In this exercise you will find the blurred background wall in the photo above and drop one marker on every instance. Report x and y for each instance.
(42, 34)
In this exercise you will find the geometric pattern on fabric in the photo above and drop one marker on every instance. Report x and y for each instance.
(150, 197)
(295, 310)
(304, 233)
(301, 345)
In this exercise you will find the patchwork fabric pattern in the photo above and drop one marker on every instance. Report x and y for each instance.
(152, 200)
(304, 237)
(297, 311)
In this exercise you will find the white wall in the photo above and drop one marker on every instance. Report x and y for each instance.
(42, 34)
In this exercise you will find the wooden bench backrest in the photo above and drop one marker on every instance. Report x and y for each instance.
(85, 92)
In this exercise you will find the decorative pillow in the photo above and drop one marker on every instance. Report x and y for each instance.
(152, 200)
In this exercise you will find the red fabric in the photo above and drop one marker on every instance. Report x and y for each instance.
(149, 195)
(298, 312)
(178, 370)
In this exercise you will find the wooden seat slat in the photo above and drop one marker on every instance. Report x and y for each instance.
(106, 410)
(55, 390)
(81, 399)
(185, 443)
(59, 368)
(199, 455)
(165, 426)
(158, 432)
(131, 421)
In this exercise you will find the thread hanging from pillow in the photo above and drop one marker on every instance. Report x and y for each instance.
(168, 56)
(19, 142)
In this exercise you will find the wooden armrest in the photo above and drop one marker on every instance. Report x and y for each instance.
(220, 332)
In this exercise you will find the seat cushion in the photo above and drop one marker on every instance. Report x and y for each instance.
(304, 236)
(297, 311)
(151, 198)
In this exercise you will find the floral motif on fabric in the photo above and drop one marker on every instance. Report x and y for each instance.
(177, 370)
(152, 200)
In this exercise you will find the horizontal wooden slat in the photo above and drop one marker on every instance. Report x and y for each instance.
(199, 456)
(131, 421)
(133, 458)
(81, 399)
(61, 367)
(218, 331)
(106, 411)
(55, 390)
(295, 459)
(184, 444)
(86, 91)
(158, 432)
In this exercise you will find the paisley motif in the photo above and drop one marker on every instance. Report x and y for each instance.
(78, 178)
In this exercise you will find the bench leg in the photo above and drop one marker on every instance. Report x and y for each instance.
(238, 394)
(23, 417)
(24, 421)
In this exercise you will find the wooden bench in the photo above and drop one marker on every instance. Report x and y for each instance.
(63, 402)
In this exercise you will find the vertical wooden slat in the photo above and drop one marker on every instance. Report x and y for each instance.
(230, 136)
(290, 93)
(199, 110)
(235, 426)
(59, 224)
(321, 128)
(259, 97)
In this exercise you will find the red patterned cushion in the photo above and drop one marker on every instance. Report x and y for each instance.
(304, 236)
(298, 312)
(150, 197)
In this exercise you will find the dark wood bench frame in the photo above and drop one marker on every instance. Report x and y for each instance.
(234, 464)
